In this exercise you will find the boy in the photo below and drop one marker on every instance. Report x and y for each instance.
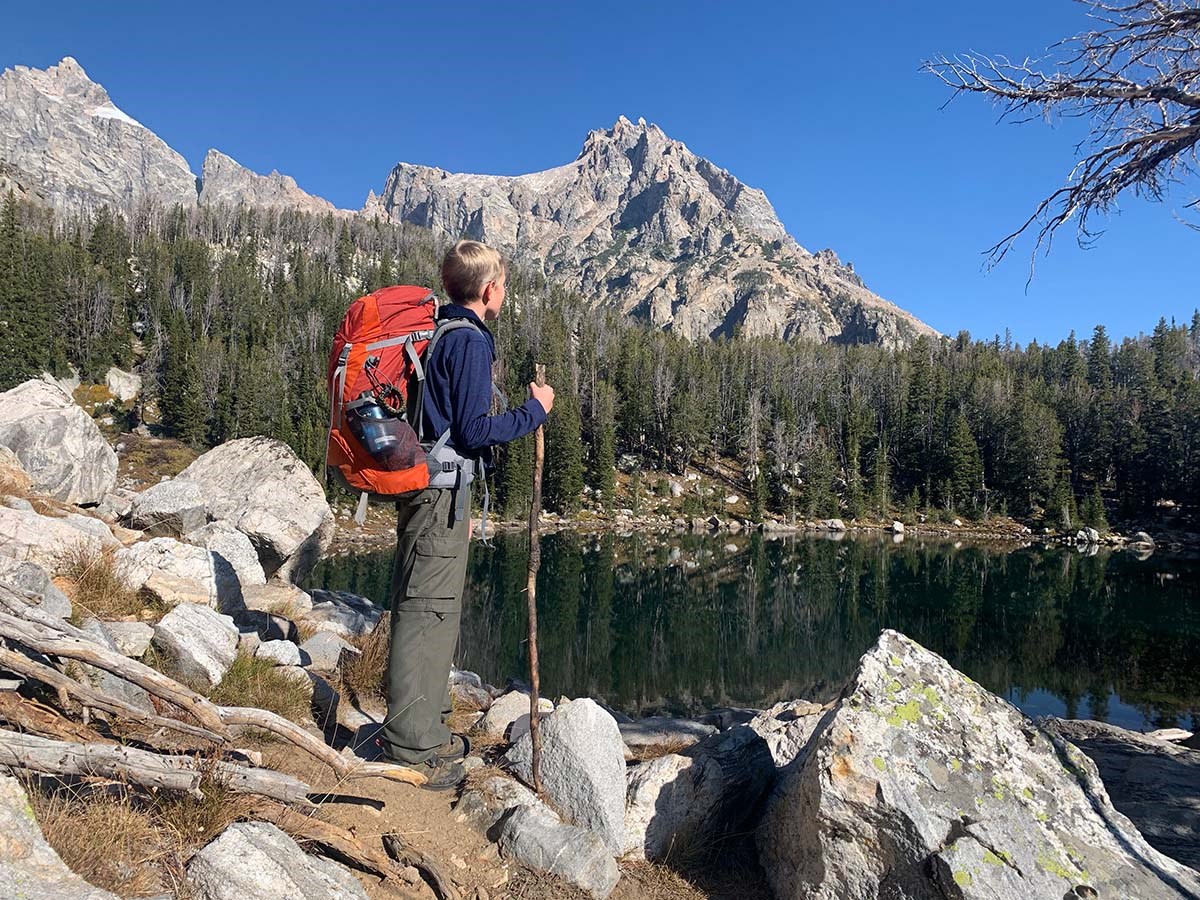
(431, 539)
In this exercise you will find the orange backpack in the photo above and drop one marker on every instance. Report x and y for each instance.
(376, 358)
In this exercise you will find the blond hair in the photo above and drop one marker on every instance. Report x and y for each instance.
(467, 268)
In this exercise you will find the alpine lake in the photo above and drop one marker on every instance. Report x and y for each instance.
(682, 624)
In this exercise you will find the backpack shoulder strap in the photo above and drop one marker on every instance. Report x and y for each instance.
(443, 327)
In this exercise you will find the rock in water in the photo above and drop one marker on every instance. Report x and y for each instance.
(1155, 783)
(261, 488)
(29, 867)
(345, 614)
(664, 731)
(202, 643)
(924, 786)
(256, 859)
(59, 445)
(583, 768)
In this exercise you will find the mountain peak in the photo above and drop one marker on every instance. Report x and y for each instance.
(225, 181)
(60, 132)
(644, 224)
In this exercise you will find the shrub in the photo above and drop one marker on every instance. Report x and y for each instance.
(256, 682)
(98, 587)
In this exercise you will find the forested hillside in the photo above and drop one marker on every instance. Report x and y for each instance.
(228, 316)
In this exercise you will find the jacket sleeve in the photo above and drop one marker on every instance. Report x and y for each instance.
(471, 398)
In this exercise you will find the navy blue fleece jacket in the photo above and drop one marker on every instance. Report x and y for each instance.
(458, 391)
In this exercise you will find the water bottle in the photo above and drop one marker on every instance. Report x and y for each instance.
(389, 440)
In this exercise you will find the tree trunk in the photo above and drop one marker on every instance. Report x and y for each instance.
(141, 767)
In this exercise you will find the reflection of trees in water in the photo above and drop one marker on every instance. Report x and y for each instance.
(622, 621)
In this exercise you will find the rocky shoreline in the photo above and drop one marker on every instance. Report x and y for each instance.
(914, 782)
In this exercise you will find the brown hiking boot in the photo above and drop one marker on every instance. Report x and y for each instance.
(454, 749)
(441, 775)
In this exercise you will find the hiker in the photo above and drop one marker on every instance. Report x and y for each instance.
(433, 526)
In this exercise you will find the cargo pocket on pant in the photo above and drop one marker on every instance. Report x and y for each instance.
(439, 568)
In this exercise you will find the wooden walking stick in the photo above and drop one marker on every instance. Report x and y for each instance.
(535, 562)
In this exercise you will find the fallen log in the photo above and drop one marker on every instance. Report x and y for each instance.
(16, 602)
(294, 734)
(52, 642)
(141, 767)
(89, 697)
(408, 855)
(31, 716)
(214, 719)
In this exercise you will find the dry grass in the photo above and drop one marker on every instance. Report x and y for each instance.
(103, 836)
(476, 778)
(96, 586)
(252, 681)
(657, 882)
(363, 673)
(294, 613)
(665, 748)
(133, 843)
(527, 884)
(148, 459)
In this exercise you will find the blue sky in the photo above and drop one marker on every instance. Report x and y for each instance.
(820, 105)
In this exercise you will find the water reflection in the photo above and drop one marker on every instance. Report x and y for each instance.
(698, 622)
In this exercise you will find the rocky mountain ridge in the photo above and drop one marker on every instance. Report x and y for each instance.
(662, 234)
(65, 143)
(637, 220)
(225, 181)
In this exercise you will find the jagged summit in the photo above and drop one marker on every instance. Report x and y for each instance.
(64, 140)
(224, 181)
(640, 221)
(637, 220)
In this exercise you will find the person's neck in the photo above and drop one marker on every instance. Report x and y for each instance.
(476, 306)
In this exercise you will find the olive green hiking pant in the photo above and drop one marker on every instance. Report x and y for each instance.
(427, 586)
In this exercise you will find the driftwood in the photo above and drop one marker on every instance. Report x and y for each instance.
(407, 855)
(47, 640)
(292, 733)
(141, 767)
(89, 697)
(214, 719)
(29, 715)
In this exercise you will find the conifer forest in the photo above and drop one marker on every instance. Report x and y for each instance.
(228, 316)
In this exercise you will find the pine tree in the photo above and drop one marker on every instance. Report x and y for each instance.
(1099, 362)
(564, 456)
(1092, 511)
(818, 495)
(604, 446)
(965, 467)
(881, 481)
(1060, 507)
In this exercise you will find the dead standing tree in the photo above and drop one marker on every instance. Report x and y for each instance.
(1135, 78)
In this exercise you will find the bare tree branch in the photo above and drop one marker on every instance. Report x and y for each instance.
(1136, 79)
